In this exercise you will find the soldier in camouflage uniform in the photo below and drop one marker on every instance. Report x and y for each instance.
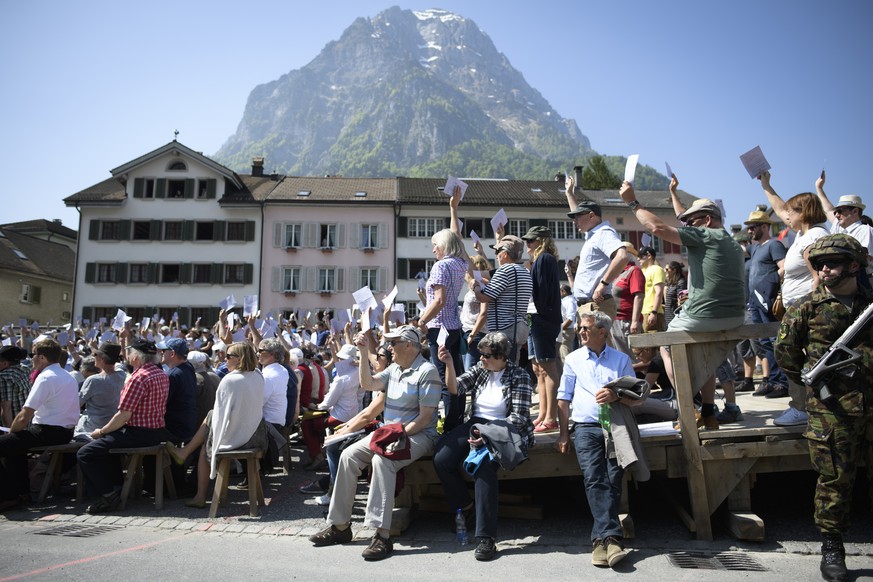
(840, 429)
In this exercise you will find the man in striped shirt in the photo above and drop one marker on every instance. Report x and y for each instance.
(139, 422)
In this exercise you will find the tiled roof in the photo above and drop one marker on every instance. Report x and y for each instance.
(109, 190)
(335, 190)
(255, 189)
(41, 225)
(41, 257)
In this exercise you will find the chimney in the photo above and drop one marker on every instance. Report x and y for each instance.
(577, 177)
(57, 221)
(560, 177)
(257, 167)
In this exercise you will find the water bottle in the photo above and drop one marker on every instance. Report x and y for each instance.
(461, 529)
(603, 417)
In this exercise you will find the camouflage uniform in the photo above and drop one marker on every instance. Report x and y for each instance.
(840, 431)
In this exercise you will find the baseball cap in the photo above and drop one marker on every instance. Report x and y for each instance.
(407, 333)
(536, 232)
(176, 344)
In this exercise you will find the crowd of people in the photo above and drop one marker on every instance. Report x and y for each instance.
(457, 380)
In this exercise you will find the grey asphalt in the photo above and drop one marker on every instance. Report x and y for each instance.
(182, 543)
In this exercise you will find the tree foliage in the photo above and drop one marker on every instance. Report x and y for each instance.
(596, 176)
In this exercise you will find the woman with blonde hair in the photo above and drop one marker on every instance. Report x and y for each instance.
(236, 421)
(545, 323)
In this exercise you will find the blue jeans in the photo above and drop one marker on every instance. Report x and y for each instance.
(471, 358)
(453, 405)
(764, 346)
(450, 452)
(602, 478)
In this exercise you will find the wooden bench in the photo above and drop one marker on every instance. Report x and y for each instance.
(719, 468)
(222, 480)
(52, 479)
(133, 472)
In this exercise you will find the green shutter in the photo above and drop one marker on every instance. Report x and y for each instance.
(152, 274)
(217, 274)
(155, 230)
(185, 273)
(123, 230)
(121, 273)
(210, 191)
(90, 272)
(402, 269)
(138, 187)
(185, 316)
(36, 294)
(218, 229)
(94, 229)
(189, 188)
(188, 230)
(161, 188)
(402, 226)
(248, 273)
(250, 230)
(86, 313)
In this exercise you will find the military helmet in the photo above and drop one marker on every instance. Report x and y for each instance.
(838, 245)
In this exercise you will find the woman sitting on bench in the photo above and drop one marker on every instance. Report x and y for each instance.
(236, 422)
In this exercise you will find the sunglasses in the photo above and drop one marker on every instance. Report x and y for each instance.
(381, 355)
(586, 329)
(843, 210)
(485, 356)
(229, 356)
(829, 263)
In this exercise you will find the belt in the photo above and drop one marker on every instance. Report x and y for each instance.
(587, 425)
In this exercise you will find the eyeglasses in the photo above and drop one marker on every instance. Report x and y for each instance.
(753, 226)
(229, 356)
(485, 356)
(843, 210)
(692, 220)
(382, 355)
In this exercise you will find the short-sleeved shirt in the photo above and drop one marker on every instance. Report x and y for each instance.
(407, 390)
(546, 291)
(628, 285)
(145, 397)
(509, 290)
(716, 279)
(763, 270)
(601, 242)
(448, 272)
(861, 233)
(654, 275)
(275, 393)
(14, 387)
(181, 415)
(585, 373)
(797, 281)
(99, 396)
(55, 398)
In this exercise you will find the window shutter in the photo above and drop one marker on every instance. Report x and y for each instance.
(185, 316)
(211, 188)
(538, 222)
(138, 186)
(276, 279)
(121, 273)
(248, 273)
(340, 284)
(355, 278)
(35, 294)
(309, 279)
(216, 275)
(152, 273)
(402, 269)
(487, 231)
(383, 235)
(213, 316)
(219, 229)
(341, 235)
(310, 238)
(402, 226)
(355, 241)
(250, 230)
(188, 230)
(185, 273)
(161, 188)
(382, 278)
(278, 235)
(90, 272)
(94, 229)
(155, 230)
(189, 188)
(86, 313)
(124, 230)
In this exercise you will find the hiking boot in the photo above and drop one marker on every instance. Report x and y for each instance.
(104, 503)
(791, 417)
(708, 423)
(763, 389)
(747, 385)
(730, 415)
(833, 559)
(598, 554)
(331, 535)
(486, 550)
(313, 487)
(777, 392)
(615, 551)
(378, 549)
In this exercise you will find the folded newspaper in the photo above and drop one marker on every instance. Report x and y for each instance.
(628, 386)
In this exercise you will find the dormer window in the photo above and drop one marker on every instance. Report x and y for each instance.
(177, 167)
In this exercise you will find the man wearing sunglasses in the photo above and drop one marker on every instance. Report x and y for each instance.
(845, 218)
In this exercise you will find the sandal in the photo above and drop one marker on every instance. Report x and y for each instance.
(546, 426)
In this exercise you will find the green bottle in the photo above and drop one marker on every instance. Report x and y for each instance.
(603, 417)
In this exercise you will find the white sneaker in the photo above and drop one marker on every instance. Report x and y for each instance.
(791, 417)
(323, 500)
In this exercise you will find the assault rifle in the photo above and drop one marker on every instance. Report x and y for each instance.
(839, 358)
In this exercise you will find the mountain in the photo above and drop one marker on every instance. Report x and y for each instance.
(415, 93)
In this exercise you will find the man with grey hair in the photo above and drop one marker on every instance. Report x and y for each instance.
(139, 422)
(508, 293)
(845, 217)
(606, 438)
(271, 355)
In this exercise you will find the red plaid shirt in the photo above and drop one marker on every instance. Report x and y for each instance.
(145, 395)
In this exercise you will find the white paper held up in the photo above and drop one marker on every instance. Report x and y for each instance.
(630, 169)
(755, 162)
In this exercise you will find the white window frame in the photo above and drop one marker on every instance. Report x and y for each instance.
(424, 227)
(288, 280)
(369, 236)
(518, 227)
(564, 230)
(326, 280)
(295, 230)
(105, 273)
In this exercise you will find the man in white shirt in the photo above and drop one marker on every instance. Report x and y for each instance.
(567, 339)
(845, 217)
(271, 354)
(48, 417)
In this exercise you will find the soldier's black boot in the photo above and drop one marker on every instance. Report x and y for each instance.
(833, 558)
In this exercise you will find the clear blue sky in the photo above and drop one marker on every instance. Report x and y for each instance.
(90, 85)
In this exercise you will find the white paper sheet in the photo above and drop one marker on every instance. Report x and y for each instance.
(397, 314)
(477, 275)
(364, 298)
(250, 305)
(630, 169)
(228, 303)
(145, 323)
(450, 186)
(669, 171)
(474, 236)
(498, 220)
(365, 320)
(389, 299)
(755, 162)
(442, 336)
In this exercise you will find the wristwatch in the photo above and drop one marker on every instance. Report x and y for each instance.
(604, 283)
(633, 204)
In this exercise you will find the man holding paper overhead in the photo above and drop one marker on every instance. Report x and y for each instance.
(601, 260)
